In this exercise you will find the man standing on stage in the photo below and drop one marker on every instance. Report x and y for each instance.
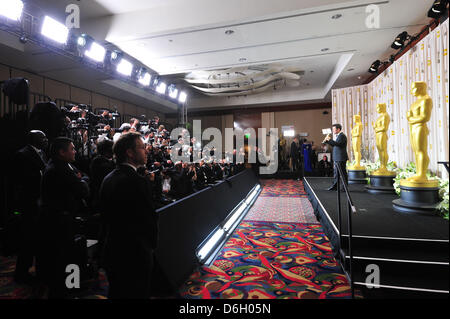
(339, 155)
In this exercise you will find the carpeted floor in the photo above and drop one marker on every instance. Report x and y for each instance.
(96, 288)
(282, 188)
(266, 260)
(279, 251)
(282, 209)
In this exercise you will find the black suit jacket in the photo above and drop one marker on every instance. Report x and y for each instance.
(129, 216)
(28, 169)
(294, 150)
(339, 148)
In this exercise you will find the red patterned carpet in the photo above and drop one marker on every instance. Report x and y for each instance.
(282, 209)
(271, 261)
(282, 188)
(279, 251)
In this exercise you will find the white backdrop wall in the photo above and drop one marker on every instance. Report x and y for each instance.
(427, 61)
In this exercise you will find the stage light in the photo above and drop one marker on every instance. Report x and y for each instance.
(182, 97)
(11, 9)
(374, 67)
(173, 91)
(437, 9)
(144, 77)
(54, 30)
(125, 67)
(116, 56)
(399, 41)
(161, 88)
(96, 52)
(85, 40)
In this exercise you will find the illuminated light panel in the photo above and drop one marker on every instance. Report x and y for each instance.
(146, 79)
(96, 52)
(289, 133)
(182, 98)
(11, 9)
(125, 67)
(54, 30)
(210, 244)
(161, 88)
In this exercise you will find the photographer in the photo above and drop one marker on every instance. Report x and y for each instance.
(128, 214)
(63, 189)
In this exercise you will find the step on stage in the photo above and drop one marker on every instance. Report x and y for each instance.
(411, 250)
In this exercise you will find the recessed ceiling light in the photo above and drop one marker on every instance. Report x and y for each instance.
(359, 77)
(336, 16)
(351, 69)
(228, 32)
(325, 49)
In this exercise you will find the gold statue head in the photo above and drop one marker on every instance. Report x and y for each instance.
(381, 107)
(419, 88)
(357, 118)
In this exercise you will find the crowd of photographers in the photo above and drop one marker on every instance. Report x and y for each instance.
(121, 175)
(171, 181)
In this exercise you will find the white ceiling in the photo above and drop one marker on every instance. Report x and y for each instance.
(175, 37)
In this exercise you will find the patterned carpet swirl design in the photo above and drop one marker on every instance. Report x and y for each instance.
(266, 260)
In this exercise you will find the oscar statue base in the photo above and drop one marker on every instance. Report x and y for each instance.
(357, 176)
(381, 184)
(419, 200)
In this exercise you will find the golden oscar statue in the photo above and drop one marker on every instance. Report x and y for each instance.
(382, 180)
(357, 173)
(381, 127)
(418, 116)
(418, 193)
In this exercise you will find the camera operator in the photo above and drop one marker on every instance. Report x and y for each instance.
(63, 189)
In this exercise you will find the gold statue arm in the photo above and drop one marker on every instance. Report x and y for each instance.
(424, 115)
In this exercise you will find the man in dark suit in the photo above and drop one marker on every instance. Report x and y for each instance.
(29, 165)
(130, 220)
(63, 190)
(339, 154)
(295, 158)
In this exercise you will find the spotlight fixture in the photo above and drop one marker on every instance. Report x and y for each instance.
(437, 9)
(173, 91)
(125, 67)
(182, 97)
(96, 52)
(116, 56)
(84, 40)
(161, 88)
(399, 41)
(374, 67)
(11, 9)
(54, 30)
(144, 77)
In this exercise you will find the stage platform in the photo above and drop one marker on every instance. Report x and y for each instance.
(411, 250)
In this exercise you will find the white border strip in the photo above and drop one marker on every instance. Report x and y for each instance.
(400, 238)
(404, 288)
(320, 203)
(401, 260)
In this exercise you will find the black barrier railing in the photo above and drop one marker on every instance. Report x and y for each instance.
(350, 209)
